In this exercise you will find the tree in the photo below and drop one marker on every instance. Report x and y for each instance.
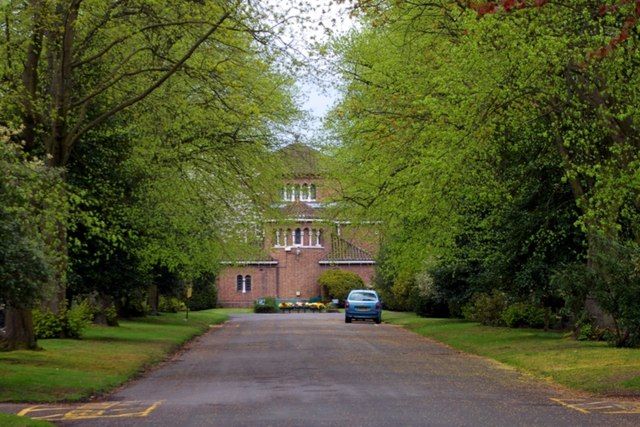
(338, 283)
(181, 96)
(30, 199)
(434, 95)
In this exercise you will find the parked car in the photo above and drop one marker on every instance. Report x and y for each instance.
(363, 304)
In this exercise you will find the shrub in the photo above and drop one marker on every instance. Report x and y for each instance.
(111, 315)
(204, 294)
(616, 288)
(612, 279)
(453, 283)
(133, 304)
(331, 308)
(338, 283)
(46, 324)
(425, 298)
(171, 304)
(79, 317)
(591, 332)
(486, 308)
(265, 305)
(69, 323)
(522, 315)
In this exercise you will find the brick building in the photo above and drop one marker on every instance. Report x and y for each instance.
(301, 243)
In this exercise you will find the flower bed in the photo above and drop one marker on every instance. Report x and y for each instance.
(300, 306)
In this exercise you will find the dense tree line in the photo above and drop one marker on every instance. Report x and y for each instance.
(498, 142)
(152, 120)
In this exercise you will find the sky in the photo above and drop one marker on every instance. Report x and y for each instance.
(317, 85)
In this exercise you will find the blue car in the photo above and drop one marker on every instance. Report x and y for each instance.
(362, 304)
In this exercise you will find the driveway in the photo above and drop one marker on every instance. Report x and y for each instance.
(313, 369)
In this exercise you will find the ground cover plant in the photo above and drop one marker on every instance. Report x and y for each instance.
(68, 369)
(582, 365)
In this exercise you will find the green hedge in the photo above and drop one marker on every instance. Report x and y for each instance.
(338, 283)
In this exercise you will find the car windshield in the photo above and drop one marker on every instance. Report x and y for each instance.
(363, 296)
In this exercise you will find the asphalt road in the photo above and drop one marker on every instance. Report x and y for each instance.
(313, 369)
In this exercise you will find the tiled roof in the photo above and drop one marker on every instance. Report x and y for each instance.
(299, 210)
(344, 251)
(300, 159)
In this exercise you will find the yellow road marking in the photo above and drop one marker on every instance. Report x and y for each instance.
(36, 408)
(567, 405)
(587, 406)
(137, 409)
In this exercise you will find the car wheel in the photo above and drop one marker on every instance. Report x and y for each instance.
(378, 320)
(347, 319)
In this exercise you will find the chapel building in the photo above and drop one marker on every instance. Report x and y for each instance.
(301, 243)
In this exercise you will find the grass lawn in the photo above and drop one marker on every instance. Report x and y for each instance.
(105, 358)
(588, 366)
(8, 420)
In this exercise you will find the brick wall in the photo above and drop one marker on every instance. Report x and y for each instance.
(263, 284)
(299, 272)
(294, 273)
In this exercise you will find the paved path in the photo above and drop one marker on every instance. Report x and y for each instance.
(313, 369)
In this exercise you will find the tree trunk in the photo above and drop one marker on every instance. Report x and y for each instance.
(19, 332)
(601, 318)
(57, 243)
(104, 303)
(153, 299)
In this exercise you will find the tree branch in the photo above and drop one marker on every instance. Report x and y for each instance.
(137, 98)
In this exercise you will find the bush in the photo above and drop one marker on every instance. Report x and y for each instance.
(453, 283)
(338, 283)
(590, 332)
(69, 323)
(486, 308)
(133, 304)
(111, 315)
(265, 305)
(612, 278)
(522, 315)
(425, 298)
(171, 304)
(46, 324)
(79, 317)
(616, 288)
(331, 308)
(204, 294)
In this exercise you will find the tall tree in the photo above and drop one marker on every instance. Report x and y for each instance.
(435, 88)
(192, 83)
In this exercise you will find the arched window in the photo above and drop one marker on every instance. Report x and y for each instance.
(296, 192)
(239, 283)
(305, 192)
(276, 238)
(297, 237)
(306, 236)
(312, 192)
(319, 237)
(288, 236)
(247, 283)
(283, 193)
